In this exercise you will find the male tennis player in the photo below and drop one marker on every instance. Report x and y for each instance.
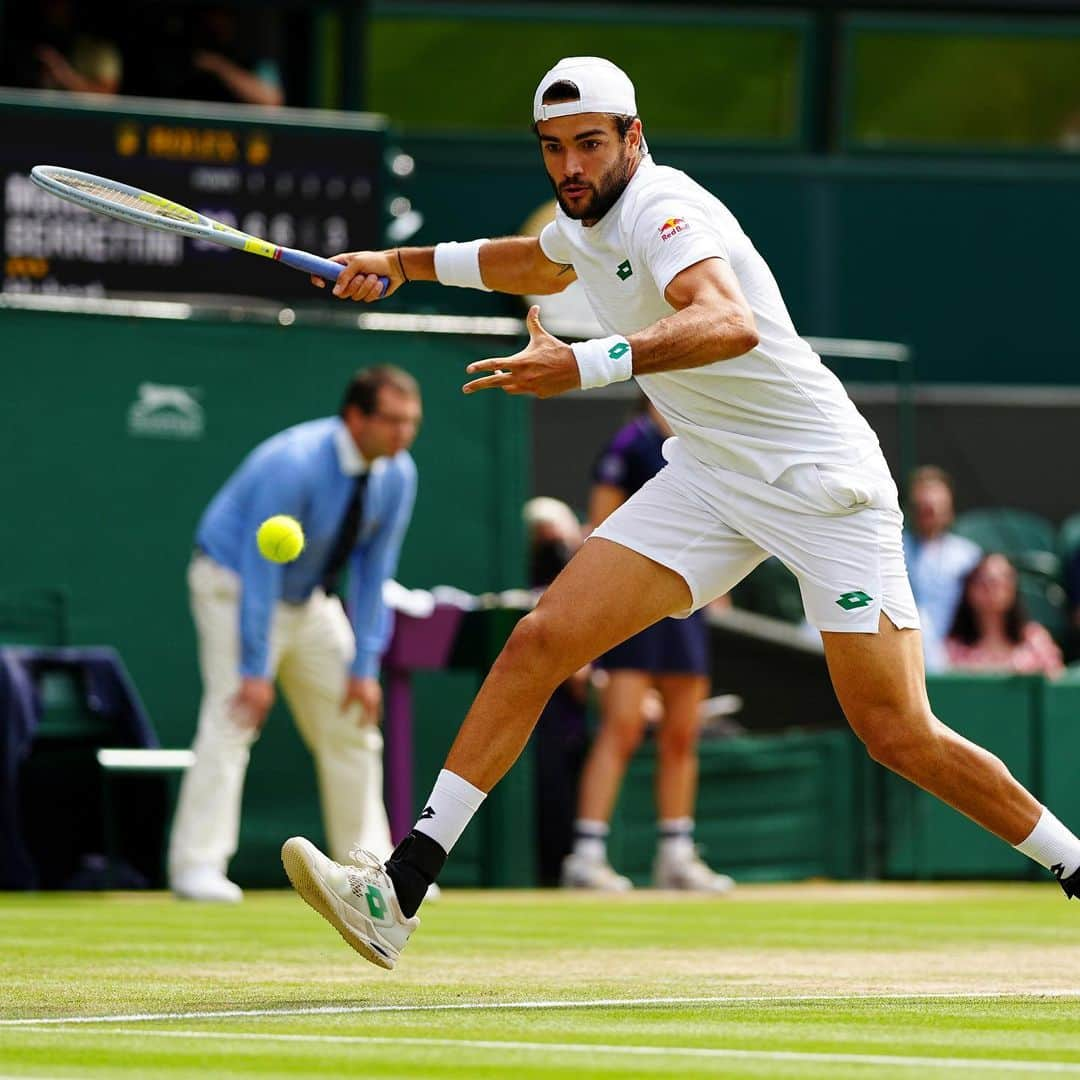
(769, 457)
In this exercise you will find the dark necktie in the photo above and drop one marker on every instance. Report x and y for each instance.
(345, 540)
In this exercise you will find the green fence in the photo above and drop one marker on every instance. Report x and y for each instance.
(811, 804)
(770, 808)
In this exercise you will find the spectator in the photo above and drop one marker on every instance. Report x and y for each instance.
(350, 481)
(52, 46)
(224, 67)
(554, 536)
(937, 559)
(96, 67)
(991, 631)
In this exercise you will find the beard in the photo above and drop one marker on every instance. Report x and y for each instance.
(605, 193)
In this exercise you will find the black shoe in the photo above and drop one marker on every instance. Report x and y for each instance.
(1071, 884)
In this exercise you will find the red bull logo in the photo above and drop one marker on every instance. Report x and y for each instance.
(673, 226)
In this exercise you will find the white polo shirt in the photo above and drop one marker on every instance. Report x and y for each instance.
(757, 414)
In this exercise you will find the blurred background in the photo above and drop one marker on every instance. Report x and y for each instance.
(909, 171)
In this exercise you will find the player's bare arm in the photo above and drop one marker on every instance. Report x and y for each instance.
(512, 264)
(712, 322)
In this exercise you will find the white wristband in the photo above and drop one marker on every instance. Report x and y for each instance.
(602, 361)
(459, 264)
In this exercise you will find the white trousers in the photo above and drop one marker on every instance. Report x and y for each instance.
(311, 648)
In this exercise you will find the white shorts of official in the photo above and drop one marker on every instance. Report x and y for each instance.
(836, 528)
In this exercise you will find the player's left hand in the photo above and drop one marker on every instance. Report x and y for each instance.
(544, 368)
(367, 693)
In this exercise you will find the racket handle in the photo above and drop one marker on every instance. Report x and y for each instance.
(314, 264)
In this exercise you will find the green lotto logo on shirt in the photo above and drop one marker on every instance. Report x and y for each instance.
(672, 227)
(852, 600)
(624, 270)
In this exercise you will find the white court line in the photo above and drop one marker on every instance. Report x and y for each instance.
(696, 1052)
(574, 1003)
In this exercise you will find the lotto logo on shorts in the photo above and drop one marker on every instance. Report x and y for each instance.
(673, 226)
(852, 600)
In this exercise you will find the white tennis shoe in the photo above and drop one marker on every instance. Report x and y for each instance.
(690, 873)
(582, 872)
(358, 901)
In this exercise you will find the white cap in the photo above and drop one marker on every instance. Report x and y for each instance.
(602, 88)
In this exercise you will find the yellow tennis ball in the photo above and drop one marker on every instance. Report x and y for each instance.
(280, 538)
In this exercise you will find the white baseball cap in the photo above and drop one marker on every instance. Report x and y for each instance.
(602, 88)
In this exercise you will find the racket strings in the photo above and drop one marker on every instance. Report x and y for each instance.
(123, 198)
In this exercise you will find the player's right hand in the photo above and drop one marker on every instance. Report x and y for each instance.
(360, 278)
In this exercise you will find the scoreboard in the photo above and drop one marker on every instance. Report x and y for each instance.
(311, 180)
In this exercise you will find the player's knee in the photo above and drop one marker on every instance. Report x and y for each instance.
(898, 739)
(534, 646)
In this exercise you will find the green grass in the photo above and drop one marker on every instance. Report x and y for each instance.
(787, 981)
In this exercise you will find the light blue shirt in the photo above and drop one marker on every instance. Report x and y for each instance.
(937, 569)
(309, 471)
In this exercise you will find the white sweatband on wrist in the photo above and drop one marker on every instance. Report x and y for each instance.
(459, 264)
(602, 361)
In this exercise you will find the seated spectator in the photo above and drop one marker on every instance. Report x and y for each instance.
(937, 559)
(991, 631)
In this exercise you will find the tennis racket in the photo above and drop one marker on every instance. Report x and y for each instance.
(143, 208)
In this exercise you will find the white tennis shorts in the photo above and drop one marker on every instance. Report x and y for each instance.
(836, 528)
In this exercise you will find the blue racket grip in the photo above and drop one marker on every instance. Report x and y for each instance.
(324, 268)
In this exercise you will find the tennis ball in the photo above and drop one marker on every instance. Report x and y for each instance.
(280, 538)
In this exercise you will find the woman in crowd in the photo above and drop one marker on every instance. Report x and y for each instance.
(992, 632)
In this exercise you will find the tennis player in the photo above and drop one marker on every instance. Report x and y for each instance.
(770, 457)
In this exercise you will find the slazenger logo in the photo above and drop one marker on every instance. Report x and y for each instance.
(166, 412)
(672, 226)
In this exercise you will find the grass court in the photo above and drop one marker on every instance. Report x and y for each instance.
(814, 980)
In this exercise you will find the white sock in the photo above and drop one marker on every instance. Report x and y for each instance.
(676, 838)
(449, 808)
(1053, 846)
(590, 839)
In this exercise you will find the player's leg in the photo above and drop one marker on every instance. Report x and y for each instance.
(346, 746)
(206, 825)
(622, 724)
(855, 590)
(881, 687)
(661, 553)
(606, 593)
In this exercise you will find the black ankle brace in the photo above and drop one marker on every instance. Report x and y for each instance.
(413, 865)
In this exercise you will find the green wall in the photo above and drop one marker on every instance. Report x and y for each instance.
(110, 514)
(720, 75)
